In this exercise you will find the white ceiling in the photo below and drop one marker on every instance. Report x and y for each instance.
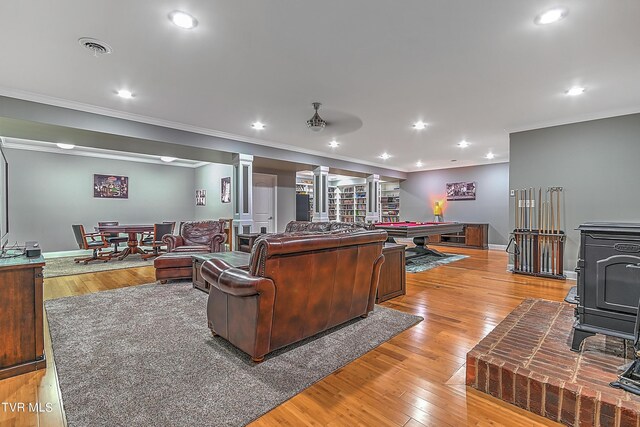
(473, 70)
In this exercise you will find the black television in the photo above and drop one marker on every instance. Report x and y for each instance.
(4, 198)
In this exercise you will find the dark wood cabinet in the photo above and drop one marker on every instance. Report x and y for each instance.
(393, 281)
(473, 236)
(22, 343)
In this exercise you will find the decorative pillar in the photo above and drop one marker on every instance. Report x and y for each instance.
(321, 194)
(373, 198)
(243, 194)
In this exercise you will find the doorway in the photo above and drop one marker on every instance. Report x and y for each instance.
(264, 202)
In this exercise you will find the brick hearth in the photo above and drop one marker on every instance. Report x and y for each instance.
(526, 361)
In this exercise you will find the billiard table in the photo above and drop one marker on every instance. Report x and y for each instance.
(419, 231)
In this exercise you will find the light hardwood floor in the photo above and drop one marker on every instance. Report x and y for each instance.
(414, 379)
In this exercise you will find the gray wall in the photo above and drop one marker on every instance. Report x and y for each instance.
(597, 163)
(422, 189)
(50, 192)
(208, 178)
(286, 194)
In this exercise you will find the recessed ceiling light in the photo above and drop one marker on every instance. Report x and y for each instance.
(551, 16)
(419, 125)
(167, 159)
(65, 146)
(334, 144)
(419, 164)
(257, 125)
(490, 155)
(575, 91)
(183, 20)
(463, 144)
(384, 156)
(123, 93)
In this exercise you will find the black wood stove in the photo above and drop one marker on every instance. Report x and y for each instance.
(608, 287)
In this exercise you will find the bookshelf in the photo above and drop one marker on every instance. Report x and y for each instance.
(360, 202)
(390, 202)
(334, 203)
(345, 207)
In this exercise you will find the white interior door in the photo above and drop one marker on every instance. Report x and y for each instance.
(264, 202)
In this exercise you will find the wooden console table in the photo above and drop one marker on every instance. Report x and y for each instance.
(246, 240)
(393, 277)
(22, 344)
(472, 236)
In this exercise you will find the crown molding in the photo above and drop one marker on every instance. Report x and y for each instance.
(99, 153)
(574, 119)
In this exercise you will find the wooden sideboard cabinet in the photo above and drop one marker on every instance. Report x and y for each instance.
(473, 236)
(393, 277)
(21, 331)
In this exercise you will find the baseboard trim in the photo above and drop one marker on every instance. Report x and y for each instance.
(497, 247)
(570, 275)
(64, 254)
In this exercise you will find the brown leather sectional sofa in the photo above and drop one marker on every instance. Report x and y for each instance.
(298, 284)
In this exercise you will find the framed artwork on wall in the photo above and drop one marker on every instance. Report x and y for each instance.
(461, 191)
(201, 197)
(110, 186)
(225, 190)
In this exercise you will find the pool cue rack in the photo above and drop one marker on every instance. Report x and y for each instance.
(538, 239)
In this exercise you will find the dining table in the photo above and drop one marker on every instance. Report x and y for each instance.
(132, 230)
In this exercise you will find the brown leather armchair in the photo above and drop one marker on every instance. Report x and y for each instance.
(197, 236)
(298, 284)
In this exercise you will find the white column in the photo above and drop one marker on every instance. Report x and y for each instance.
(242, 186)
(373, 198)
(321, 194)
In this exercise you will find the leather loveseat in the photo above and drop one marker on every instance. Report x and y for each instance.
(298, 284)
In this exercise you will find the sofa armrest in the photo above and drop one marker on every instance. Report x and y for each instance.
(172, 241)
(234, 281)
(217, 242)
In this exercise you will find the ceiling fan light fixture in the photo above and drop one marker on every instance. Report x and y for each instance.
(316, 123)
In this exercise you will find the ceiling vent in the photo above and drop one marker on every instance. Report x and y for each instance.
(97, 47)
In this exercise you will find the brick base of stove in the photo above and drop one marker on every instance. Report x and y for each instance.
(526, 361)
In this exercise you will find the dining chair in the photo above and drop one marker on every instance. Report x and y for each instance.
(155, 240)
(94, 241)
(113, 238)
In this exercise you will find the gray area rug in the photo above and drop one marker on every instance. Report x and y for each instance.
(66, 266)
(428, 262)
(143, 356)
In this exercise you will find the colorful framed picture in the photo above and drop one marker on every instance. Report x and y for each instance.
(461, 191)
(225, 190)
(110, 186)
(201, 197)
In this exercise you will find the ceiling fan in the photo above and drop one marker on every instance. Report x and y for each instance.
(339, 122)
(316, 123)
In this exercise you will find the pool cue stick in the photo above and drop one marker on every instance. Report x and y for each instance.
(553, 230)
(538, 227)
(544, 238)
(516, 256)
(524, 227)
(558, 239)
(530, 227)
